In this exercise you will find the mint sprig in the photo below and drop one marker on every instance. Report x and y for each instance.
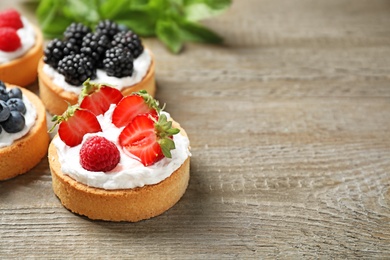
(174, 22)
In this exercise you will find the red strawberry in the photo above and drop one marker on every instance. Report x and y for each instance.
(9, 39)
(74, 124)
(11, 18)
(147, 139)
(99, 154)
(98, 98)
(133, 105)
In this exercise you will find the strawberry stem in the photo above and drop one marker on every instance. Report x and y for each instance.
(149, 100)
(69, 112)
(164, 132)
(88, 88)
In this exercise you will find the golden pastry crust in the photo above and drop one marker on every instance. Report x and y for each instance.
(29, 150)
(130, 205)
(56, 99)
(23, 70)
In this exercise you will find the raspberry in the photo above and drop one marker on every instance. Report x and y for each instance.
(9, 39)
(99, 154)
(10, 18)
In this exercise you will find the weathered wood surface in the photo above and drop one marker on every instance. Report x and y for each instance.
(290, 133)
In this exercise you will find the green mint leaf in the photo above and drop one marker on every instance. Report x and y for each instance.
(194, 32)
(196, 10)
(142, 21)
(109, 9)
(172, 21)
(136, 3)
(51, 18)
(86, 11)
(169, 33)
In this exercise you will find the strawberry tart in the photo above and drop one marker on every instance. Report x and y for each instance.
(109, 53)
(118, 158)
(21, 47)
(23, 131)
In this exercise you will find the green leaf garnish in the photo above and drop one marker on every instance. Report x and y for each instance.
(169, 33)
(174, 22)
(196, 10)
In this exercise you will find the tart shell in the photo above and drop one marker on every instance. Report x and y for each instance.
(22, 71)
(23, 154)
(56, 99)
(130, 205)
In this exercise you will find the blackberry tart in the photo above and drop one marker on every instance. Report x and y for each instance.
(21, 47)
(109, 53)
(23, 131)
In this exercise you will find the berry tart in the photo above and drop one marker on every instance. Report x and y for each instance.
(110, 53)
(118, 158)
(21, 47)
(23, 131)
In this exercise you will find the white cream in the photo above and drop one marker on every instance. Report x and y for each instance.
(129, 173)
(27, 39)
(6, 139)
(141, 67)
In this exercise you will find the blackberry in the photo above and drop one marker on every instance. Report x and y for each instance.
(108, 28)
(56, 50)
(129, 40)
(77, 68)
(95, 45)
(75, 32)
(118, 62)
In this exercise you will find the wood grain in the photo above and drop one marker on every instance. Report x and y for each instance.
(289, 124)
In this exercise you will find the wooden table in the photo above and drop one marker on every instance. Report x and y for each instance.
(289, 124)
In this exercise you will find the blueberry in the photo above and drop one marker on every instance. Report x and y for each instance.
(3, 94)
(15, 122)
(2, 85)
(4, 111)
(15, 93)
(16, 104)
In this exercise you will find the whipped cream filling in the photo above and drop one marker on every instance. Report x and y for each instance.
(141, 67)
(27, 40)
(129, 173)
(6, 139)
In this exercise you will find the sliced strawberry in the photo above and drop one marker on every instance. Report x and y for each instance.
(11, 18)
(98, 98)
(74, 124)
(147, 139)
(136, 104)
(9, 39)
